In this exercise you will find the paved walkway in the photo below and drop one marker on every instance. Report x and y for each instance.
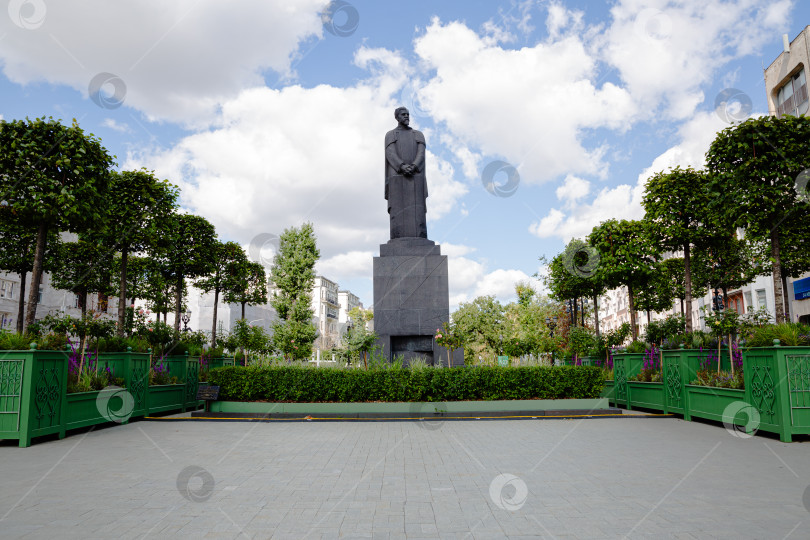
(605, 478)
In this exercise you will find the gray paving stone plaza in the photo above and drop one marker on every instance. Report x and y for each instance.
(604, 478)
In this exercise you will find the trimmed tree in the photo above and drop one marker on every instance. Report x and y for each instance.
(676, 203)
(626, 257)
(246, 284)
(575, 274)
(185, 246)
(227, 257)
(293, 275)
(757, 166)
(55, 178)
(138, 202)
(17, 255)
(83, 267)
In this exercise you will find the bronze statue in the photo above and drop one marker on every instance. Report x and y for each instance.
(405, 183)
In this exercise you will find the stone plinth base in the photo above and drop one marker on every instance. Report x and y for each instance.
(411, 300)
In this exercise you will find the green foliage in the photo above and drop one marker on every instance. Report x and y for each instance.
(138, 204)
(14, 341)
(228, 265)
(581, 342)
(723, 322)
(184, 248)
(627, 255)
(396, 384)
(243, 336)
(119, 344)
(636, 347)
(83, 267)
(756, 164)
(575, 272)
(480, 326)
(293, 275)
(789, 335)
(719, 379)
(53, 178)
(246, 283)
(659, 331)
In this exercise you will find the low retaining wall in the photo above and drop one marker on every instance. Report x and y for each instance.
(539, 407)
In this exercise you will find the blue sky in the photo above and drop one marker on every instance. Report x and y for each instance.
(270, 114)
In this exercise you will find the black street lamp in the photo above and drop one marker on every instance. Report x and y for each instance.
(185, 318)
(717, 300)
(551, 323)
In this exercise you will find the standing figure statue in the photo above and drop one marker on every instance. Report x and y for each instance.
(405, 183)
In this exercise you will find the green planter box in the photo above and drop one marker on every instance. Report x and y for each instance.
(609, 392)
(649, 395)
(82, 410)
(711, 403)
(220, 362)
(625, 365)
(136, 377)
(192, 382)
(167, 397)
(778, 386)
(33, 394)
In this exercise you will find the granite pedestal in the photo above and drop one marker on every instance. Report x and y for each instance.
(411, 300)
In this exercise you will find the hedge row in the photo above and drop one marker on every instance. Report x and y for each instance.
(312, 385)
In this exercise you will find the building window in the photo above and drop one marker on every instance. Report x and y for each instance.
(39, 295)
(749, 302)
(7, 289)
(792, 97)
(761, 298)
(5, 320)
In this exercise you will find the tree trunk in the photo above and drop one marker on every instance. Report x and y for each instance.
(778, 298)
(596, 315)
(243, 309)
(648, 317)
(214, 327)
(21, 304)
(83, 302)
(36, 274)
(178, 303)
(787, 297)
(122, 295)
(582, 309)
(687, 286)
(575, 311)
(632, 307)
(682, 310)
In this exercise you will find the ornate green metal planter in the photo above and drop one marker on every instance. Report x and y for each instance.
(32, 394)
(192, 382)
(625, 365)
(777, 384)
(167, 397)
(220, 362)
(609, 392)
(711, 403)
(649, 395)
(82, 410)
(136, 377)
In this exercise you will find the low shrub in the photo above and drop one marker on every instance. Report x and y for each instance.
(396, 384)
(789, 334)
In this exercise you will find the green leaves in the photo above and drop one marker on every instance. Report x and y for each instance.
(293, 275)
(393, 384)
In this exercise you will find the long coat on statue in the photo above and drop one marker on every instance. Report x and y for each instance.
(406, 194)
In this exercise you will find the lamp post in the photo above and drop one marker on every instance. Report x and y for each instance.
(186, 317)
(717, 300)
(551, 323)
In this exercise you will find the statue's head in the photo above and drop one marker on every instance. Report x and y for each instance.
(402, 115)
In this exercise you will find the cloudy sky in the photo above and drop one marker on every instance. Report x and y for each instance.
(542, 117)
